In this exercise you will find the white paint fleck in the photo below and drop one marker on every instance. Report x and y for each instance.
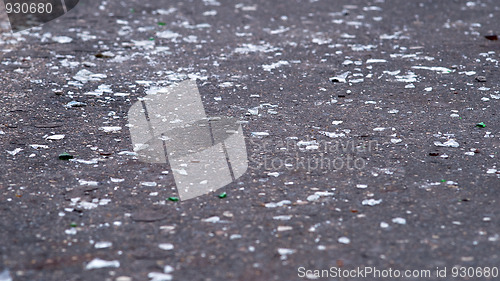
(158, 276)
(103, 245)
(449, 143)
(260, 134)
(375, 61)
(313, 197)
(86, 162)
(55, 137)
(213, 219)
(89, 183)
(116, 180)
(71, 231)
(284, 228)
(251, 48)
(85, 76)
(235, 236)
(111, 129)
(166, 246)
(283, 217)
(62, 39)
(87, 205)
(270, 67)
(5, 275)
(278, 204)
(332, 134)
(181, 171)
(167, 34)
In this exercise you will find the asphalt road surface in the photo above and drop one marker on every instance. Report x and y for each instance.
(371, 130)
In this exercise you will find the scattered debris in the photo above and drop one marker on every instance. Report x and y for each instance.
(72, 104)
(55, 137)
(271, 67)
(113, 129)
(103, 245)
(283, 217)
(62, 39)
(278, 204)
(399, 220)
(65, 156)
(5, 275)
(85, 76)
(282, 228)
(166, 246)
(284, 252)
(213, 219)
(492, 37)
(449, 143)
(375, 61)
(15, 151)
(340, 78)
(105, 55)
(371, 202)
(88, 183)
(157, 276)
(344, 240)
(384, 225)
(481, 125)
(480, 78)
(99, 263)
(260, 134)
